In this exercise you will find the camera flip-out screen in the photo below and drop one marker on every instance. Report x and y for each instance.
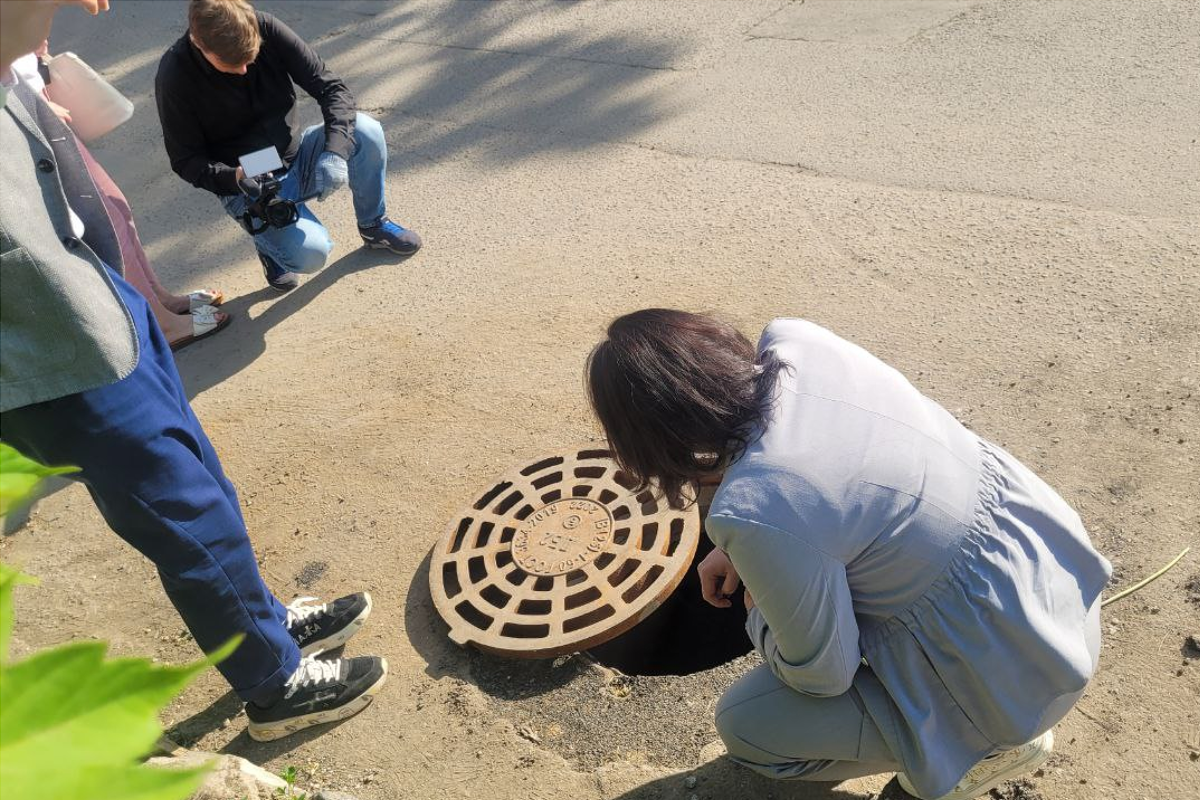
(260, 162)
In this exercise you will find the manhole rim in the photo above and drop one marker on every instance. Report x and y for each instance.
(645, 603)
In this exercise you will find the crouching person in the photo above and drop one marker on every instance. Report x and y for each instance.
(226, 89)
(924, 604)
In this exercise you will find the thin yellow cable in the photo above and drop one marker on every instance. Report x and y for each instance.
(1130, 590)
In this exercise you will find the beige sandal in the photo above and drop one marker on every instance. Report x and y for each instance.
(206, 321)
(198, 298)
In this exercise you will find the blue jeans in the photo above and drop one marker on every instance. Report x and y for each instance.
(305, 246)
(157, 480)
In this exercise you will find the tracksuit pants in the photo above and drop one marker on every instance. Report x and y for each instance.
(157, 480)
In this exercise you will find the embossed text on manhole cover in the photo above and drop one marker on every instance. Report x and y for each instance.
(559, 556)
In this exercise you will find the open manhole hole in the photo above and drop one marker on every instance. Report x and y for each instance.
(562, 556)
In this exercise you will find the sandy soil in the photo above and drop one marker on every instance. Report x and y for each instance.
(999, 198)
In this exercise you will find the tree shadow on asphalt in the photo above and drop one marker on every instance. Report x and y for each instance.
(488, 82)
(560, 91)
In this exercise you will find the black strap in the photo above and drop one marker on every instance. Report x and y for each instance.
(251, 228)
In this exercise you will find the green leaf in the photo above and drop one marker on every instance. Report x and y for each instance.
(128, 782)
(9, 578)
(19, 476)
(73, 725)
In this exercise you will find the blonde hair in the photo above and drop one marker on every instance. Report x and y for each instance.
(226, 28)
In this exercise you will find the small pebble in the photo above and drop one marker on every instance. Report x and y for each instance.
(690, 782)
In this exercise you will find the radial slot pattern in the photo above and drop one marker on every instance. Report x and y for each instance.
(559, 556)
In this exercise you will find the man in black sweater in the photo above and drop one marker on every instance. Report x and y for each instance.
(225, 90)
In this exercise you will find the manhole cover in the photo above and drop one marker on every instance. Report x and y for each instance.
(559, 556)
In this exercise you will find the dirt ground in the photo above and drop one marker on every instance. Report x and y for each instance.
(998, 197)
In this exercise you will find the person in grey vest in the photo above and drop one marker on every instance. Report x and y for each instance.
(87, 379)
(924, 604)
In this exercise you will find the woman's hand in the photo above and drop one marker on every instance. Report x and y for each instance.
(59, 111)
(93, 7)
(718, 579)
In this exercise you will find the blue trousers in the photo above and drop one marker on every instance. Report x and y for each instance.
(156, 479)
(305, 246)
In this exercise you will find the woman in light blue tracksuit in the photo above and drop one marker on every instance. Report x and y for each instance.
(923, 602)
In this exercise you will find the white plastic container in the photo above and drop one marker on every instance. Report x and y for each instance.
(96, 107)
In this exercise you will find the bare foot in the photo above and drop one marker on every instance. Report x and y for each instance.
(177, 304)
(182, 304)
(176, 327)
(183, 326)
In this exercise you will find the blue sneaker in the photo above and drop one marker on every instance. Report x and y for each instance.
(278, 278)
(387, 235)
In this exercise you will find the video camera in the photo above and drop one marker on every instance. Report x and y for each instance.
(266, 208)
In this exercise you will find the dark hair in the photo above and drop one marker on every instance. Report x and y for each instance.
(679, 395)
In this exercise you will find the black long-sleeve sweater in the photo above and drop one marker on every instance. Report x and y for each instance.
(210, 118)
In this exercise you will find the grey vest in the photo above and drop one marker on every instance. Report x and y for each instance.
(63, 327)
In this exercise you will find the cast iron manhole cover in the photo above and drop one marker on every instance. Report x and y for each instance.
(559, 556)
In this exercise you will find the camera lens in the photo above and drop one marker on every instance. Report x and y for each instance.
(281, 213)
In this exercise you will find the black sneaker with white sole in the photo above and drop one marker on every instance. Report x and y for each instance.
(318, 627)
(318, 692)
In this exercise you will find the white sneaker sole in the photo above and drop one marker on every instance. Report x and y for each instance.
(341, 637)
(1036, 756)
(269, 732)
